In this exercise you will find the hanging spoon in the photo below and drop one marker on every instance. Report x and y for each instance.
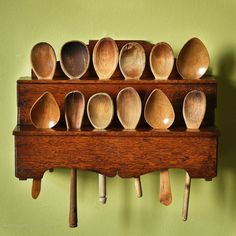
(194, 108)
(43, 61)
(44, 114)
(105, 58)
(132, 60)
(74, 110)
(100, 112)
(129, 109)
(74, 59)
(159, 114)
(161, 61)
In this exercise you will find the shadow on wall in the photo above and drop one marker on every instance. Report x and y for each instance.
(226, 121)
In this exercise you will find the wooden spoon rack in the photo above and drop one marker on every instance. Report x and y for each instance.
(115, 151)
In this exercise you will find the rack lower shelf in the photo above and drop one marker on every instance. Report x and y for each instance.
(116, 151)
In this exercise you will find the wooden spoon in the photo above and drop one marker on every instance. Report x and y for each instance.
(129, 109)
(75, 59)
(43, 61)
(159, 114)
(74, 110)
(44, 114)
(161, 60)
(194, 108)
(132, 60)
(193, 59)
(100, 112)
(105, 58)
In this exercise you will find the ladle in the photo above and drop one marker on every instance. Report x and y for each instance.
(105, 58)
(193, 59)
(74, 110)
(194, 108)
(132, 60)
(100, 112)
(159, 114)
(43, 61)
(75, 59)
(129, 109)
(44, 114)
(161, 60)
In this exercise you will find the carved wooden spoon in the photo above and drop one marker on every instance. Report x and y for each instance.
(43, 61)
(194, 108)
(75, 59)
(129, 109)
(100, 112)
(44, 114)
(74, 110)
(159, 114)
(105, 58)
(161, 60)
(193, 59)
(132, 60)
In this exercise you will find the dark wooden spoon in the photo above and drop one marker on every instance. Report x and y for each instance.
(75, 59)
(74, 110)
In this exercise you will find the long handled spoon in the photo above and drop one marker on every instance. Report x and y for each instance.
(159, 114)
(194, 108)
(193, 59)
(74, 110)
(105, 58)
(43, 61)
(100, 112)
(75, 59)
(44, 114)
(161, 61)
(129, 109)
(132, 60)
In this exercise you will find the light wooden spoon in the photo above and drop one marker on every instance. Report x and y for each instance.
(132, 60)
(129, 109)
(105, 58)
(161, 60)
(44, 114)
(194, 108)
(75, 59)
(159, 114)
(74, 105)
(193, 59)
(100, 112)
(43, 61)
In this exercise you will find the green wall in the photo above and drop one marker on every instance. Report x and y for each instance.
(212, 204)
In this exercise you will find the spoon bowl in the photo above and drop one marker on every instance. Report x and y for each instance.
(43, 61)
(129, 107)
(100, 110)
(158, 110)
(105, 58)
(45, 112)
(161, 61)
(193, 59)
(132, 60)
(75, 59)
(194, 108)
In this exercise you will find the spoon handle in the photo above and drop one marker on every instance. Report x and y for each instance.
(165, 189)
(102, 188)
(138, 187)
(73, 199)
(187, 187)
(36, 187)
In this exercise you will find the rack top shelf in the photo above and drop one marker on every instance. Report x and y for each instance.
(111, 132)
(64, 80)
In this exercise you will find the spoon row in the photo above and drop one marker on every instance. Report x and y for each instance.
(192, 62)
